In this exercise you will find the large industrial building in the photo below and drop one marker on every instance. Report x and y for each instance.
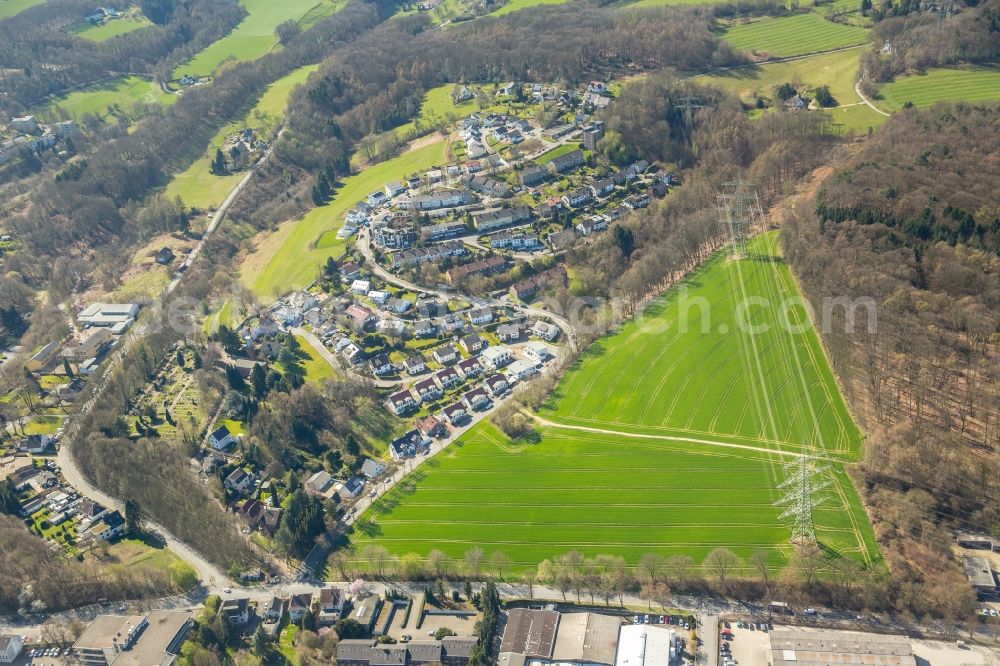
(548, 638)
(789, 647)
(138, 640)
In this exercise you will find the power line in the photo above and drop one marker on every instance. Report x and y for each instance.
(805, 481)
(739, 210)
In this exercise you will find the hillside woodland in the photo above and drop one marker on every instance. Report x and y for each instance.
(912, 223)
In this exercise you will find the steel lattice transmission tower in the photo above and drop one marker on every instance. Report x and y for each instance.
(804, 481)
(739, 211)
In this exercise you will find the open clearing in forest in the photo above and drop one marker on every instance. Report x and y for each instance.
(697, 420)
(254, 35)
(793, 35)
(118, 96)
(952, 84)
(9, 8)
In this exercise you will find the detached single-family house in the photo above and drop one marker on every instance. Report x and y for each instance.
(381, 365)
(497, 385)
(545, 330)
(445, 354)
(428, 390)
(455, 413)
(477, 399)
(319, 483)
(480, 316)
(602, 187)
(430, 426)
(509, 332)
(401, 402)
(424, 329)
(299, 605)
(415, 365)
(576, 198)
(538, 351)
(34, 444)
(408, 445)
(372, 469)
(521, 370)
(331, 605)
(497, 357)
(110, 526)
(274, 609)
(236, 610)
(220, 438)
(239, 481)
(351, 488)
(472, 343)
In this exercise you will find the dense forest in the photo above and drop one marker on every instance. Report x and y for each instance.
(911, 222)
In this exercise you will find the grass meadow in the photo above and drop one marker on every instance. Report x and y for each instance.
(793, 35)
(687, 368)
(9, 8)
(291, 257)
(197, 186)
(133, 19)
(601, 494)
(517, 5)
(662, 439)
(102, 99)
(967, 84)
(254, 36)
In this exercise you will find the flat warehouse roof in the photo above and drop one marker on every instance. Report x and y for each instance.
(586, 637)
(530, 632)
(822, 648)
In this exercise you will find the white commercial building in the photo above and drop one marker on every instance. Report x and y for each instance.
(645, 645)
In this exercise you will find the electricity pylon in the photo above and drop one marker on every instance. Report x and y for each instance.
(739, 210)
(805, 480)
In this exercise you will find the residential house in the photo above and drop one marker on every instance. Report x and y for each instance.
(372, 468)
(428, 390)
(526, 290)
(351, 488)
(445, 354)
(430, 307)
(470, 367)
(443, 231)
(361, 287)
(503, 217)
(533, 175)
(401, 402)
(89, 346)
(424, 328)
(567, 162)
(636, 201)
(34, 444)
(545, 330)
(451, 323)
(366, 612)
(236, 610)
(430, 426)
(447, 378)
(592, 225)
(220, 438)
(398, 305)
(577, 198)
(561, 240)
(415, 365)
(332, 601)
(455, 413)
(381, 365)
(510, 332)
(487, 185)
(602, 187)
(319, 483)
(486, 266)
(109, 527)
(437, 200)
(472, 343)
(239, 481)
(299, 605)
(514, 241)
(394, 187)
(408, 445)
(477, 399)
(359, 314)
(497, 357)
(42, 357)
(252, 511)
(394, 238)
(497, 385)
(480, 316)
(592, 134)
(521, 370)
(274, 609)
(350, 271)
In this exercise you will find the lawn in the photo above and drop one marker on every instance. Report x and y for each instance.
(711, 378)
(688, 428)
(197, 186)
(793, 35)
(968, 84)
(317, 369)
(117, 96)
(132, 20)
(254, 36)
(601, 494)
(9, 8)
(857, 118)
(550, 155)
(289, 259)
(838, 70)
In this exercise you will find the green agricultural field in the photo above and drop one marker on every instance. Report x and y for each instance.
(967, 84)
(254, 36)
(711, 378)
(665, 438)
(517, 5)
(197, 186)
(601, 494)
(132, 20)
(289, 258)
(111, 97)
(793, 35)
(9, 8)
(838, 70)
